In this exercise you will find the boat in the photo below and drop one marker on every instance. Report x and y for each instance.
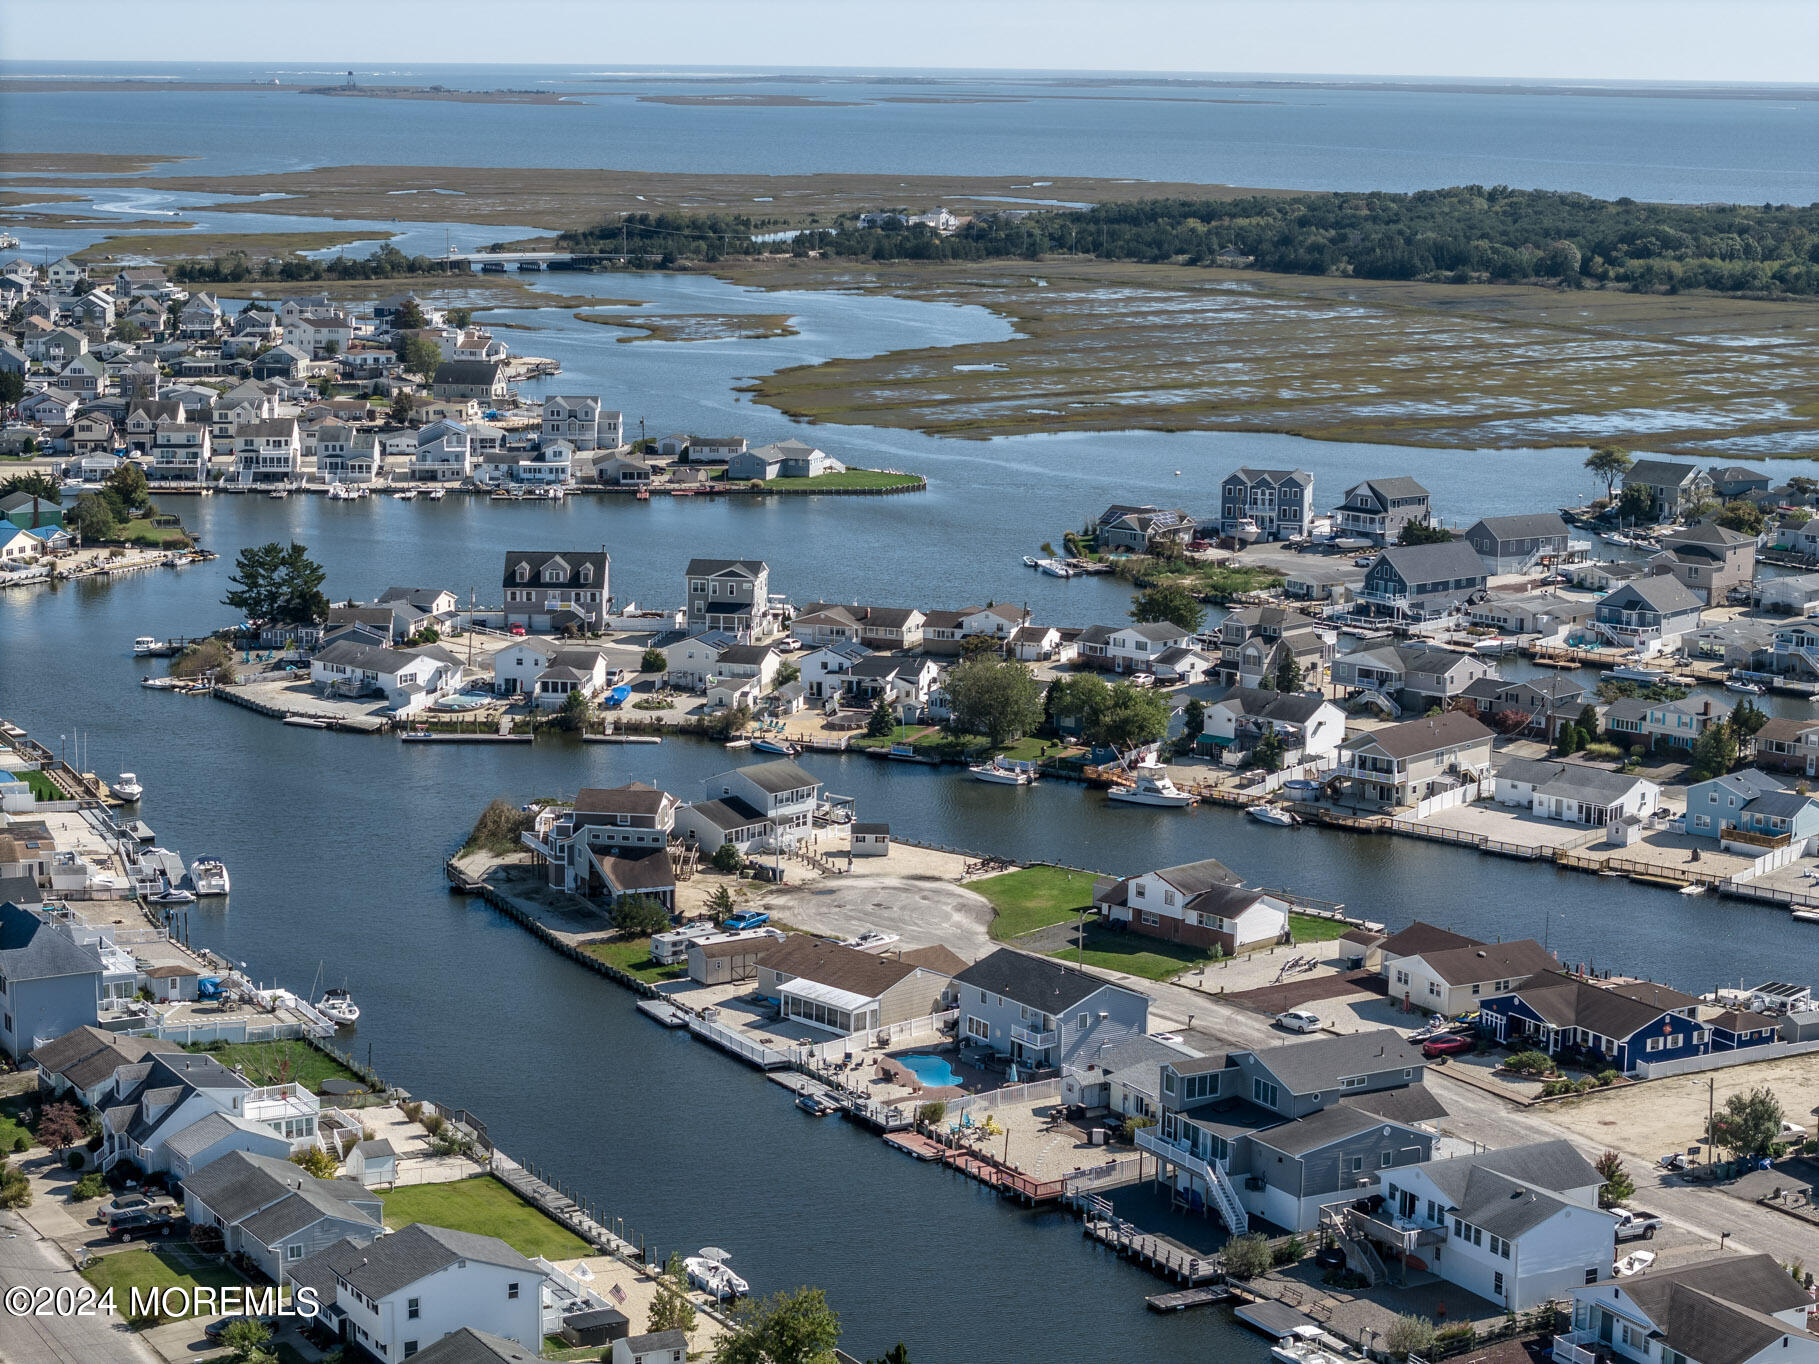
(1694, 889)
(1496, 646)
(171, 895)
(147, 647)
(738, 743)
(1631, 672)
(1633, 1263)
(872, 940)
(782, 747)
(1153, 788)
(1747, 688)
(1030, 561)
(1245, 531)
(1055, 568)
(279, 493)
(408, 495)
(1273, 814)
(1302, 787)
(1308, 1345)
(338, 1004)
(815, 1106)
(209, 876)
(1005, 772)
(345, 492)
(436, 494)
(8, 242)
(127, 788)
(709, 1272)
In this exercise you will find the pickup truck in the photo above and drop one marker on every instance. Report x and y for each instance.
(1637, 1226)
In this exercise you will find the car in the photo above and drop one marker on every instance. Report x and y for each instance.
(750, 918)
(1453, 1044)
(518, 631)
(1299, 1020)
(134, 1202)
(1792, 1132)
(131, 1226)
(1142, 679)
(1364, 561)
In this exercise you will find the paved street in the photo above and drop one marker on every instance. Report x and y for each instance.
(28, 1260)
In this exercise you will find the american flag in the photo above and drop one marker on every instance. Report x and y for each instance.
(618, 1294)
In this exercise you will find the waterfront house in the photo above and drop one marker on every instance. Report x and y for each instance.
(783, 459)
(731, 595)
(444, 454)
(18, 546)
(1649, 614)
(1739, 1309)
(1577, 793)
(1678, 724)
(408, 680)
(1794, 594)
(1671, 486)
(1735, 481)
(1317, 582)
(779, 791)
(1516, 544)
(1041, 1013)
(475, 344)
(1786, 745)
(1517, 1226)
(460, 380)
(1279, 502)
(150, 1102)
(554, 589)
(1545, 614)
(1410, 677)
(823, 671)
(1708, 559)
(691, 660)
(1452, 980)
(906, 683)
(1135, 648)
(612, 842)
(81, 1062)
(1417, 760)
(1753, 810)
(845, 990)
(1199, 904)
(407, 1290)
(1420, 582)
(1379, 508)
(653, 1347)
(267, 451)
(1253, 641)
(1311, 729)
(569, 671)
(1282, 1131)
(276, 1216)
(876, 627)
(50, 980)
(1619, 1025)
(622, 471)
(1143, 530)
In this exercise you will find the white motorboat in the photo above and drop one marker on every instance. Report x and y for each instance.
(1747, 688)
(171, 895)
(209, 876)
(339, 1006)
(782, 747)
(146, 647)
(127, 788)
(1005, 772)
(1030, 561)
(1631, 672)
(279, 494)
(713, 1276)
(1054, 568)
(1153, 788)
(345, 492)
(408, 495)
(1633, 1263)
(1308, 1345)
(1246, 531)
(1273, 814)
(8, 242)
(436, 494)
(872, 940)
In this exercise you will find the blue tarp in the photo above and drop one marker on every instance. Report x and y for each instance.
(616, 697)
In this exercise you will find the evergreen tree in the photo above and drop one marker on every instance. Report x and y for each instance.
(882, 722)
(1288, 674)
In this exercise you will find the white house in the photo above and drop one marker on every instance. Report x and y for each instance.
(1516, 1226)
(1574, 792)
(578, 420)
(823, 671)
(444, 454)
(403, 1292)
(1311, 729)
(691, 661)
(409, 681)
(268, 451)
(1199, 904)
(1451, 980)
(1135, 648)
(779, 791)
(1738, 1309)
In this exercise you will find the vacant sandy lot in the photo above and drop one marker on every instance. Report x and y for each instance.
(922, 911)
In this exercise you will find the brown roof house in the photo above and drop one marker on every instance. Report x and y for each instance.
(1419, 760)
(845, 990)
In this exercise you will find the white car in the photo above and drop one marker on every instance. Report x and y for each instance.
(1792, 1131)
(1299, 1020)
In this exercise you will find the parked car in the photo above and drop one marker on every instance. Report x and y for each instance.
(135, 1202)
(750, 918)
(1299, 1020)
(130, 1226)
(1364, 561)
(517, 630)
(1453, 1044)
(1792, 1132)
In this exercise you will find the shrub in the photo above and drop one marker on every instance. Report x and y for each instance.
(434, 1123)
(412, 1109)
(498, 829)
(1530, 1063)
(1246, 1256)
(1409, 1335)
(653, 661)
(1289, 1252)
(728, 859)
(932, 1112)
(1584, 1085)
(1556, 1087)
(1132, 1125)
(1607, 1078)
(1609, 753)
(22, 1142)
(1455, 1337)
(76, 1159)
(315, 1161)
(91, 1185)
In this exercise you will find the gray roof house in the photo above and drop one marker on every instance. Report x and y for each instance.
(275, 1214)
(1041, 1013)
(1378, 508)
(52, 982)
(1671, 485)
(1419, 582)
(1737, 1309)
(1515, 544)
(468, 1346)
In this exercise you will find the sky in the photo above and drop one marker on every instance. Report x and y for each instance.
(1763, 41)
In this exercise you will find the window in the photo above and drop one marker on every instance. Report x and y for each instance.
(511, 1290)
(411, 1307)
(1082, 1019)
(977, 1027)
(1357, 1164)
(1353, 1081)
(1149, 919)
(1264, 1093)
(293, 1252)
(1497, 1284)
(1386, 1159)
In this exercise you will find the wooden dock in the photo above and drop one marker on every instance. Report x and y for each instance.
(914, 1144)
(668, 1014)
(433, 736)
(1185, 1298)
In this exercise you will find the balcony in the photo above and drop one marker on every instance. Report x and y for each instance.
(1732, 834)
(1176, 1153)
(1037, 1040)
(1580, 1347)
(1394, 1232)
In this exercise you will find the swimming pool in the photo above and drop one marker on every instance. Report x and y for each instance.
(931, 1070)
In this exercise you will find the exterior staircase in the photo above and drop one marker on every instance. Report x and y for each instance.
(1226, 1201)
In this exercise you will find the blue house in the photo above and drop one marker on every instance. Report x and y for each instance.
(1617, 1026)
(1735, 1029)
(49, 982)
(1750, 807)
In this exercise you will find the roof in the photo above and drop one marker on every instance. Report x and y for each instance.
(1289, 708)
(635, 869)
(657, 1340)
(1719, 1311)
(32, 949)
(1409, 1104)
(1317, 1065)
(1420, 937)
(292, 1213)
(1659, 473)
(1660, 592)
(934, 957)
(777, 776)
(576, 559)
(1616, 1011)
(1490, 961)
(1191, 878)
(714, 568)
(727, 813)
(1531, 526)
(468, 373)
(1449, 560)
(1578, 779)
(1782, 729)
(240, 1184)
(634, 798)
(1706, 533)
(1035, 981)
(1320, 1128)
(1779, 804)
(86, 1056)
(864, 974)
(1415, 737)
(468, 1346)
(413, 1252)
(1389, 488)
(870, 827)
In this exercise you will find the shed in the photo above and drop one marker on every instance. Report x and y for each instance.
(597, 1326)
(173, 981)
(373, 1162)
(871, 840)
(722, 960)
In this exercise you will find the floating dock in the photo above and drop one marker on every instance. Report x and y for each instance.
(666, 1013)
(1189, 1297)
(427, 736)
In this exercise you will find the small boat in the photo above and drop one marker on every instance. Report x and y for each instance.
(345, 492)
(127, 788)
(1633, 1263)
(338, 1005)
(209, 876)
(1616, 537)
(871, 941)
(8, 241)
(408, 495)
(1692, 890)
(1496, 646)
(436, 494)
(1302, 787)
(147, 647)
(782, 747)
(171, 895)
(1747, 688)
(1631, 672)
(1153, 788)
(279, 494)
(710, 1273)
(816, 1106)
(1005, 772)
(738, 743)
(1054, 568)
(1273, 814)
(1029, 561)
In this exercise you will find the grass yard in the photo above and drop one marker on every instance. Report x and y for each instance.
(1133, 954)
(848, 481)
(634, 958)
(485, 1207)
(143, 532)
(261, 1062)
(1034, 897)
(11, 1129)
(42, 786)
(1307, 928)
(156, 1268)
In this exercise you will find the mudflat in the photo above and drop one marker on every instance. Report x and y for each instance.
(696, 326)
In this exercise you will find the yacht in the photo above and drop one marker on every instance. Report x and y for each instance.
(1005, 772)
(1153, 788)
(8, 242)
(713, 1276)
(127, 788)
(147, 647)
(436, 494)
(209, 876)
(782, 747)
(1246, 531)
(408, 495)
(1273, 814)
(1632, 672)
(339, 1006)
(1054, 568)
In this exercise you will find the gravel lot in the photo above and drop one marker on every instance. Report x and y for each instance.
(922, 911)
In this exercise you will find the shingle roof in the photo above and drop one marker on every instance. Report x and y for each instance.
(1579, 779)
(729, 812)
(1414, 737)
(634, 798)
(1617, 1011)
(1659, 473)
(1409, 1104)
(1393, 487)
(1191, 878)
(777, 776)
(31, 949)
(1314, 1066)
(1705, 533)
(396, 1261)
(468, 1346)
(1490, 961)
(305, 1208)
(1320, 1128)
(1420, 937)
(711, 568)
(1660, 592)
(1449, 560)
(1508, 1190)
(1035, 981)
(241, 1183)
(1530, 526)
(1719, 1311)
(827, 963)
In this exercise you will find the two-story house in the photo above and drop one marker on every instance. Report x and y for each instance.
(1740, 1309)
(1414, 677)
(1135, 648)
(1144, 530)
(276, 1216)
(1041, 1013)
(1452, 980)
(611, 842)
(1379, 508)
(876, 627)
(50, 981)
(1708, 560)
(1269, 504)
(906, 683)
(1407, 763)
(1420, 582)
(1750, 808)
(444, 454)
(823, 670)
(267, 451)
(459, 380)
(180, 452)
(1632, 720)
(781, 793)
(1310, 729)
(1254, 640)
(1671, 486)
(546, 589)
(1516, 544)
(731, 595)
(575, 419)
(1648, 614)
(1200, 904)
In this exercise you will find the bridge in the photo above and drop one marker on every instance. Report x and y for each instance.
(532, 260)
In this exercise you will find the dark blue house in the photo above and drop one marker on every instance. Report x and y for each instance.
(1623, 1025)
(1735, 1029)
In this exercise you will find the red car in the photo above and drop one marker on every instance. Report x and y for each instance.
(1448, 1046)
(517, 629)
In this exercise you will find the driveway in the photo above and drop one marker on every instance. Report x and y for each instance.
(922, 912)
(29, 1261)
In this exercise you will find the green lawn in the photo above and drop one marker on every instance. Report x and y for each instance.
(261, 1062)
(852, 478)
(930, 741)
(156, 1267)
(485, 1207)
(143, 532)
(634, 958)
(1307, 928)
(11, 1129)
(1134, 954)
(1034, 897)
(42, 786)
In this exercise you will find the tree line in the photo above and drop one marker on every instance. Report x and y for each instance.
(235, 267)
